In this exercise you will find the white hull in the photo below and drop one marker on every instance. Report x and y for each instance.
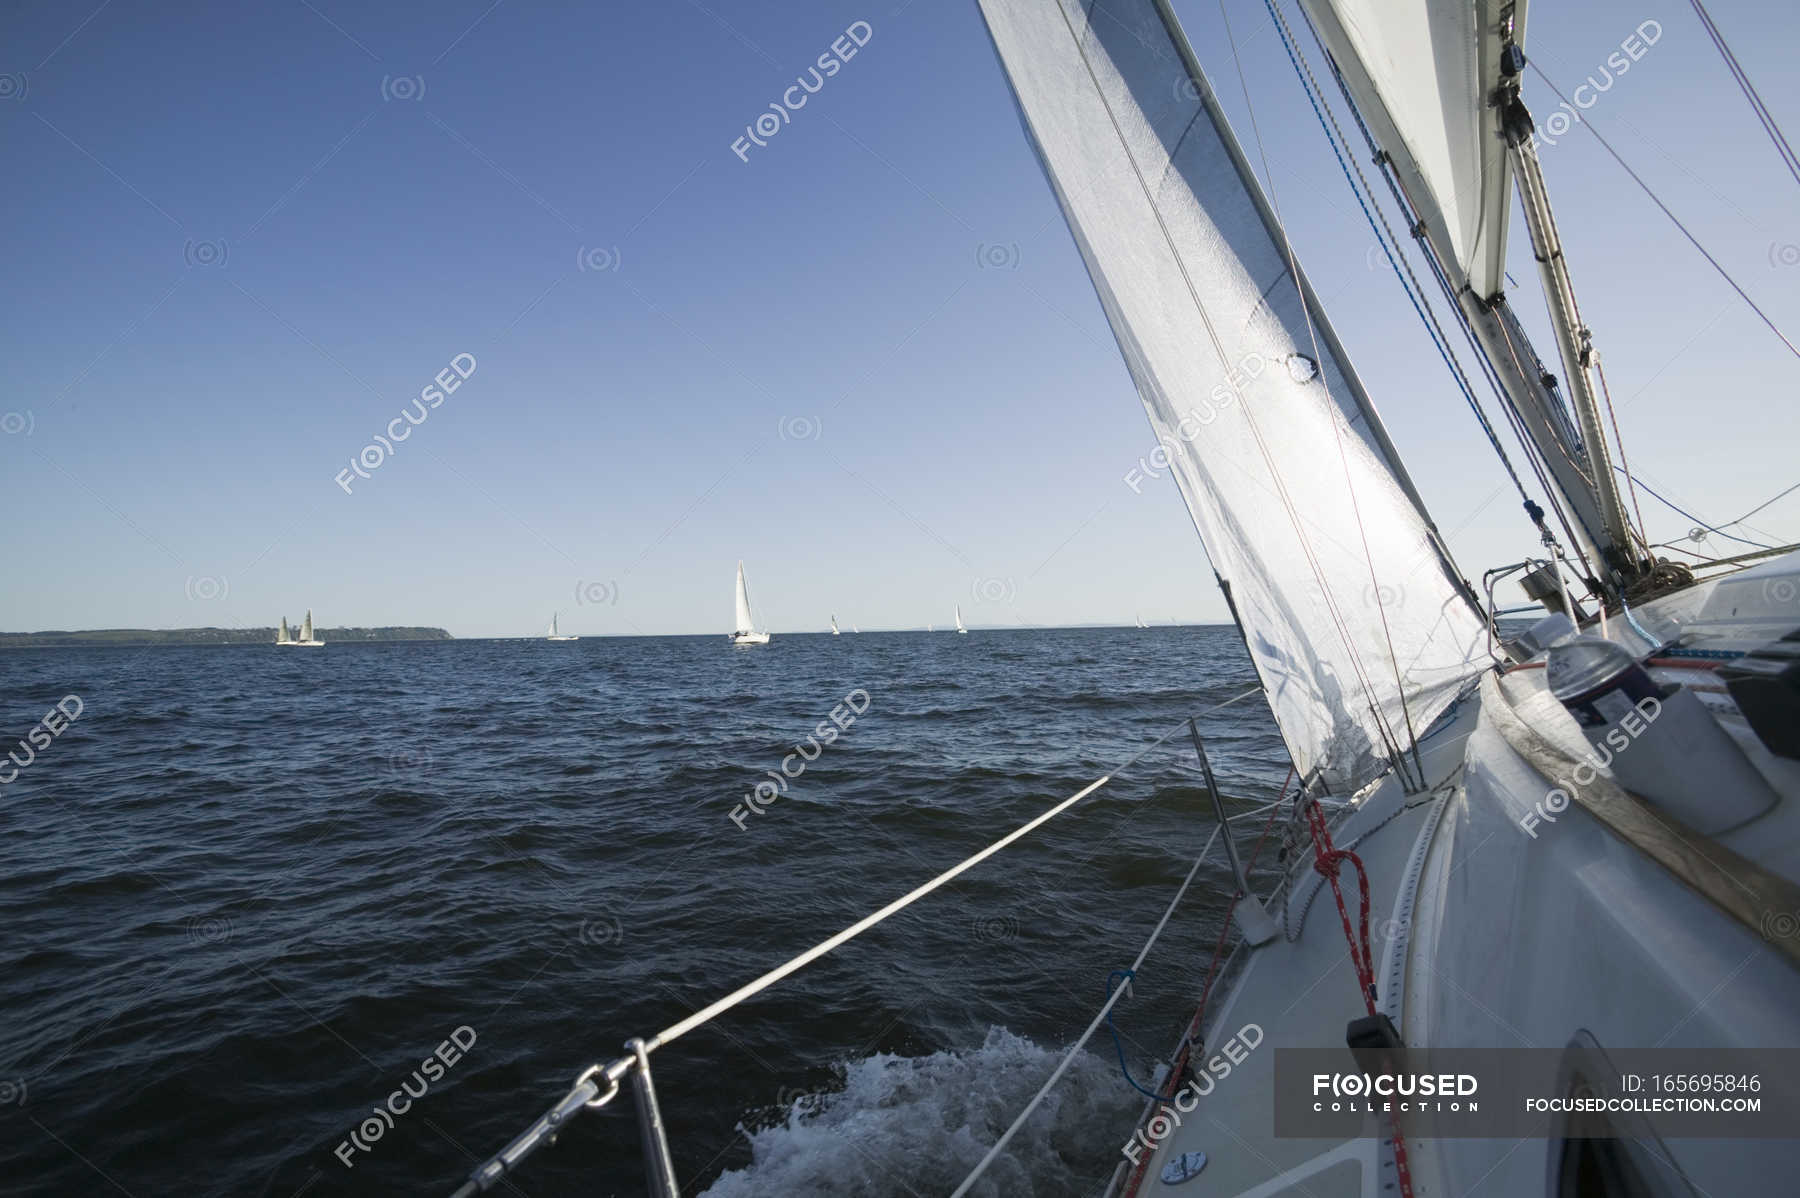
(300, 644)
(749, 638)
(562, 638)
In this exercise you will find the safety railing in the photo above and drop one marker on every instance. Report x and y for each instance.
(598, 1085)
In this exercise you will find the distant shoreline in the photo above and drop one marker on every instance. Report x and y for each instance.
(139, 638)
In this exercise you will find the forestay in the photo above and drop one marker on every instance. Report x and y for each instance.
(1345, 595)
(1421, 73)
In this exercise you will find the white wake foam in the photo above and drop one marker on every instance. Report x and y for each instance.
(917, 1125)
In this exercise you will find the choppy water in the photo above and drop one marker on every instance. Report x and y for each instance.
(248, 891)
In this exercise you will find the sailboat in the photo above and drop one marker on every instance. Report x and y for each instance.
(834, 627)
(1545, 847)
(1417, 737)
(553, 635)
(960, 627)
(744, 633)
(1140, 622)
(306, 639)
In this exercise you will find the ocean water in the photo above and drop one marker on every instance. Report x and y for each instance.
(247, 892)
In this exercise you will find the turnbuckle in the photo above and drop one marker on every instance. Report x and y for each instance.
(585, 1094)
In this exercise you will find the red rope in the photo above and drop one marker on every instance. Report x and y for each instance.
(1327, 860)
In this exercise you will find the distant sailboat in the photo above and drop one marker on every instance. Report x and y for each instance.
(1140, 622)
(745, 632)
(854, 628)
(553, 635)
(959, 624)
(834, 627)
(307, 639)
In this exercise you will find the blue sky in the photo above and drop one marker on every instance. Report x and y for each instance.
(866, 360)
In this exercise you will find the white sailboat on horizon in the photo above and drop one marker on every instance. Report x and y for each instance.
(306, 639)
(553, 635)
(834, 627)
(745, 632)
(960, 626)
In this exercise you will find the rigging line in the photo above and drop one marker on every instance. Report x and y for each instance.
(1217, 343)
(1763, 115)
(1673, 219)
(1697, 520)
(1294, 269)
(1581, 470)
(1313, 337)
(1488, 370)
(862, 925)
(1759, 507)
(1074, 1049)
(586, 1093)
(1384, 235)
(1642, 531)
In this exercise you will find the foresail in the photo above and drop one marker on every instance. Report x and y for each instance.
(1346, 597)
(1421, 72)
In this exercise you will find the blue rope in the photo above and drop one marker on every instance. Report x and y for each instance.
(1678, 511)
(1120, 1044)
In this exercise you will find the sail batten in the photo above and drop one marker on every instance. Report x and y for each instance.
(1353, 615)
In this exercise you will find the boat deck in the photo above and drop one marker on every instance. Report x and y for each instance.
(1303, 993)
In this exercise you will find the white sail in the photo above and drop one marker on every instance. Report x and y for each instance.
(743, 604)
(306, 631)
(1421, 73)
(834, 627)
(959, 624)
(284, 636)
(1317, 537)
(552, 632)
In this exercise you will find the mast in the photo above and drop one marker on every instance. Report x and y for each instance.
(1435, 87)
(1573, 340)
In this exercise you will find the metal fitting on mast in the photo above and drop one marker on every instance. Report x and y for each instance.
(1574, 340)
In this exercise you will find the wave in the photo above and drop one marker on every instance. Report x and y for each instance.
(909, 1125)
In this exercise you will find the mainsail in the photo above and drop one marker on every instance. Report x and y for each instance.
(1358, 625)
(743, 603)
(1421, 73)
